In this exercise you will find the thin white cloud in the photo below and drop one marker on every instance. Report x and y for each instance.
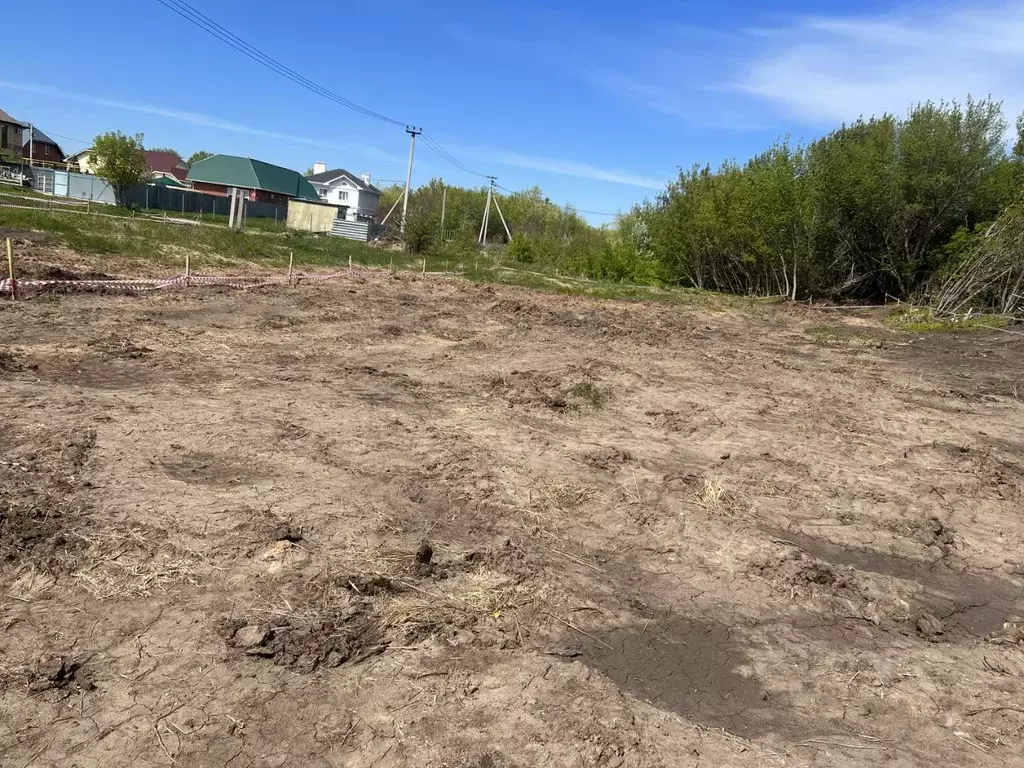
(206, 121)
(830, 69)
(561, 167)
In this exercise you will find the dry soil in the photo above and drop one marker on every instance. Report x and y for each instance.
(390, 521)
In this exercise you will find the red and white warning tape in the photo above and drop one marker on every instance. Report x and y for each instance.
(7, 286)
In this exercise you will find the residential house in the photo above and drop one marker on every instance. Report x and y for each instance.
(39, 147)
(355, 195)
(262, 181)
(11, 137)
(164, 164)
(81, 161)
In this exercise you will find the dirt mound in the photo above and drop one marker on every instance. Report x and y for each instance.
(10, 362)
(609, 457)
(532, 388)
(796, 568)
(350, 634)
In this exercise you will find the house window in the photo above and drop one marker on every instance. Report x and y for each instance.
(46, 149)
(342, 195)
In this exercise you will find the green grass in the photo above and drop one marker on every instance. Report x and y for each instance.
(826, 333)
(926, 321)
(138, 245)
(588, 393)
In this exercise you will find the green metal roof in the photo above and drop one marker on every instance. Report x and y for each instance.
(167, 181)
(245, 172)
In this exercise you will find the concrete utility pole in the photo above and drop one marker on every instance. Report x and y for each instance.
(482, 240)
(31, 146)
(413, 133)
(444, 204)
(498, 209)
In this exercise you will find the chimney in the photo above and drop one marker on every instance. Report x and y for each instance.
(319, 167)
(366, 178)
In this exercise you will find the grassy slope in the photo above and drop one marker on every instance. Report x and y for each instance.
(137, 245)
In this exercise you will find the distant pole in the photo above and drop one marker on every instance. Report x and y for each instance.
(10, 270)
(501, 215)
(231, 213)
(188, 269)
(444, 205)
(31, 145)
(413, 133)
(483, 224)
(291, 262)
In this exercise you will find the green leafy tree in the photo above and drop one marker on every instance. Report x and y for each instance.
(119, 159)
(199, 154)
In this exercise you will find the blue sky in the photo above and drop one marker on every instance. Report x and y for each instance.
(597, 102)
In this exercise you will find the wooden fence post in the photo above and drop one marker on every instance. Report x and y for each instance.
(188, 269)
(291, 261)
(10, 270)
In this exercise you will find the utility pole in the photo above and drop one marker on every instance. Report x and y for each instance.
(500, 214)
(413, 133)
(487, 212)
(444, 204)
(31, 146)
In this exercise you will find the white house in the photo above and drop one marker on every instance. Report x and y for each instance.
(357, 197)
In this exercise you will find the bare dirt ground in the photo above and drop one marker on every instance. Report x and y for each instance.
(391, 521)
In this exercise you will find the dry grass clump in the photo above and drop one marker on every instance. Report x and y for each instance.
(714, 496)
(459, 601)
(123, 564)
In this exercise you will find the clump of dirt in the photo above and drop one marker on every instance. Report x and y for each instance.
(10, 362)
(62, 673)
(350, 634)
(797, 568)
(39, 503)
(122, 348)
(929, 627)
(424, 555)
(1012, 633)
(608, 457)
(510, 559)
(934, 533)
(392, 330)
(532, 388)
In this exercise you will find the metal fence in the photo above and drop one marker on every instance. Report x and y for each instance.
(363, 231)
(82, 186)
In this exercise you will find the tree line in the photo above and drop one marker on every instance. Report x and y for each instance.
(884, 206)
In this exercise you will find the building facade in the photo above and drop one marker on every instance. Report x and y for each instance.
(355, 196)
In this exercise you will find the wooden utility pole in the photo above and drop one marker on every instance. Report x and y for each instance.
(10, 270)
(413, 133)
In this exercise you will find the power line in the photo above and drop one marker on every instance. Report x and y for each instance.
(211, 27)
(444, 154)
(208, 25)
(67, 138)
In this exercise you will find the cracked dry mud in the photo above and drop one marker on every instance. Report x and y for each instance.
(373, 523)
